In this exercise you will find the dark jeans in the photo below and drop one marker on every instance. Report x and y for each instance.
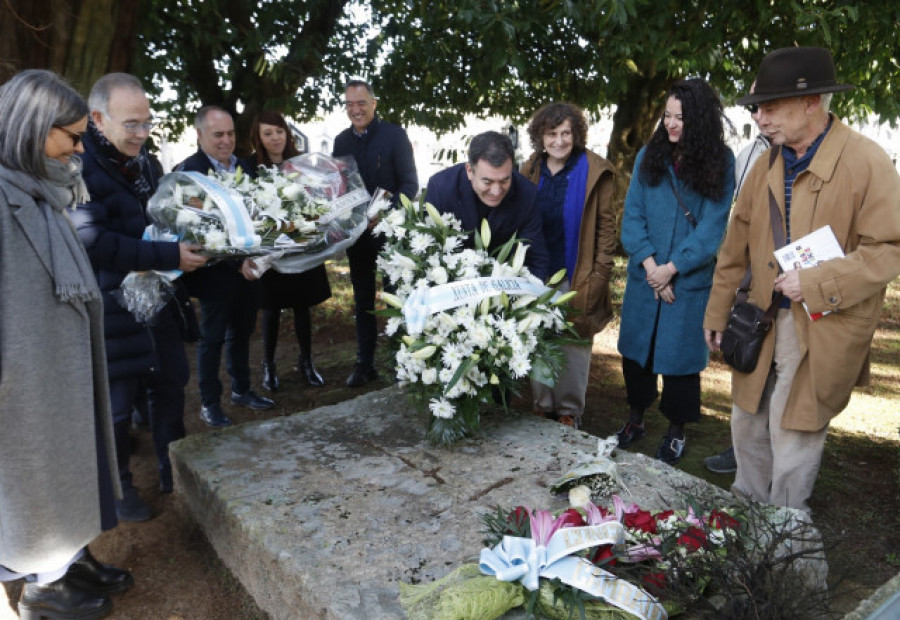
(362, 256)
(680, 401)
(123, 394)
(227, 321)
(165, 397)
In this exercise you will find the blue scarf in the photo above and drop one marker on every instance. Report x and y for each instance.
(573, 210)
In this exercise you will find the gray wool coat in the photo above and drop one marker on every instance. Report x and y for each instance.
(51, 400)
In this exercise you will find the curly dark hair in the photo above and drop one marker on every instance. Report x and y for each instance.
(271, 117)
(553, 115)
(701, 151)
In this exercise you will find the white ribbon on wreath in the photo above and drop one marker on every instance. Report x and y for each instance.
(522, 559)
(426, 301)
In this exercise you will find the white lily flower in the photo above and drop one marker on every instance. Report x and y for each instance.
(485, 233)
(436, 218)
(519, 257)
(557, 277)
(391, 299)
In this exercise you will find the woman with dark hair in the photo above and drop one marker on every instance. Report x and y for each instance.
(675, 214)
(575, 190)
(273, 144)
(58, 475)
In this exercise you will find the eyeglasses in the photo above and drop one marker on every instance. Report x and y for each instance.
(131, 127)
(76, 137)
(753, 108)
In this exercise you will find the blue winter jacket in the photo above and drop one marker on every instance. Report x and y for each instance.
(111, 226)
(653, 224)
(450, 191)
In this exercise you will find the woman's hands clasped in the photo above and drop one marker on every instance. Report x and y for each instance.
(659, 278)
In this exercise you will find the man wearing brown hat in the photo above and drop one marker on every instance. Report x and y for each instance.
(819, 172)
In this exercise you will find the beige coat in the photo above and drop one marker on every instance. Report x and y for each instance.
(852, 186)
(596, 244)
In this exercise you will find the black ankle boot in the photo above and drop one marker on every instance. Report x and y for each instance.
(305, 367)
(270, 377)
(60, 600)
(87, 573)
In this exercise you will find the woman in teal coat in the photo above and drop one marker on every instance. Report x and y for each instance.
(671, 248)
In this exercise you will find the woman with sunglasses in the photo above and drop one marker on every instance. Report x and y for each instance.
(58, 477)
(674, 220)
(274, 143)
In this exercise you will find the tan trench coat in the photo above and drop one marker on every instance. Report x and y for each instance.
(852, 186)
(596, 244)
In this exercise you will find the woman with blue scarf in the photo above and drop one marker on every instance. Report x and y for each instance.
(575, 189)
(674, 220)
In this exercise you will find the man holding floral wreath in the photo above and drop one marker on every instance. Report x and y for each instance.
(488, 187)
(121, 176)
(228, 291)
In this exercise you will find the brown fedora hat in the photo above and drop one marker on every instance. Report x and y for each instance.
(794, 72)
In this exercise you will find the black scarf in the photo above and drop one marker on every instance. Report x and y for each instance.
(136, 170)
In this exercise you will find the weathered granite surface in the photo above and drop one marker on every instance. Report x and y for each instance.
(884, 604)
(321, 514)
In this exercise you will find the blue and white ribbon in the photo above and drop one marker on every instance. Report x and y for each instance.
(237, 220)
(521, 559)
(426, 301)
(153, 233)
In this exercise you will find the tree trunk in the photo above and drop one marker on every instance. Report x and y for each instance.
(637, 114)
(80, 39)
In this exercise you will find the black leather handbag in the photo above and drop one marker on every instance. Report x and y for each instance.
(747, 327)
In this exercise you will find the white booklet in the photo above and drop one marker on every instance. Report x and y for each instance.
(816, 247)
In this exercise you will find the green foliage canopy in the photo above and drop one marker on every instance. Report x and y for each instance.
(433, 62)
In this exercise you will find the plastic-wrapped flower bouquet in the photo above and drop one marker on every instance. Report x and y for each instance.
(290, 220)
(465, 324)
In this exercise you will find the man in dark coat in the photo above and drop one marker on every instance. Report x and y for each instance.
(228, 291)
(384, 156)
(120, 178)
(488, 187)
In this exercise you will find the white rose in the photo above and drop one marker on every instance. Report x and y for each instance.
(579, 496)
(292, 192)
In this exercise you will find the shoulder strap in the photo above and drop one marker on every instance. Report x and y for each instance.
(777, 223)
(687, 212)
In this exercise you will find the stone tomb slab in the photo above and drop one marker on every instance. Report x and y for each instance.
(321, 514)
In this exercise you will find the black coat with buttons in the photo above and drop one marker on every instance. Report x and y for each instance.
(111, 226)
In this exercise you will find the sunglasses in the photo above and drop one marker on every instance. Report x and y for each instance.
(76, 137)
(753, 108)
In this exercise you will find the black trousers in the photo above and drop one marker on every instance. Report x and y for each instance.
(361, 256)
(680, 401)
(164, 391)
